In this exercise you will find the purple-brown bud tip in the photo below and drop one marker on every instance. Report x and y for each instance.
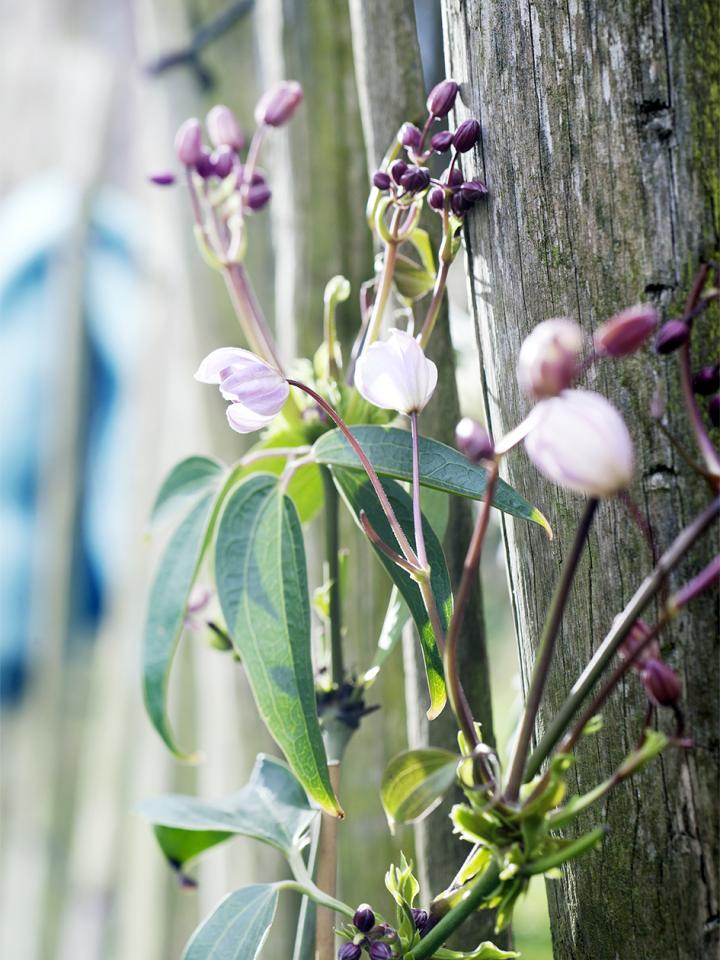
(415, 178)
(420, 918)
(453, 178)
(436, 198)
(397, 170)
(258, 196)
(473, 440)
(639, 632)
(350, 951)
(223, 129)
(466, 136)
(188, 142)
(380, 951)
(277, 105)
(442, 98)
(661, 683)
(459, 205)
(671, 335)
(442, 141)
(162, 179)
(364, 918)
(474, 190)
(627, 331)
(381, 180)
(410, 136)
(707, 380)
(223, 160)
(205, 165)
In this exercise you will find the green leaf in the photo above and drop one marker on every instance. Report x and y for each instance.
(169, 594)
(360, 496)
(188, 478)
(272, 808)
(262, 585)
(415, 782)
(237, 928)
(305, 488)
(390, 452)
(420, 239)
(569, 851)
(484, 951)
(412, 281)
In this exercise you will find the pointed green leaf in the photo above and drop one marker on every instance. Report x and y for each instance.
(360, 496)
(305, 488)
(484, 951)
(262, 584)
(166, 612)
(190, 477)
(390, 452)
(237, 928)
(415, 782)
(272, 808)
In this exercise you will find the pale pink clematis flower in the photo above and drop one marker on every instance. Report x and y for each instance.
(581, 442)
(257, 389)
(549, 357)
(395, 374)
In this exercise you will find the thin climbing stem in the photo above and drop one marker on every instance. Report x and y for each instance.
(546, 647)
(435, 304)
(332, 556)
(385, 282)
(327, 876)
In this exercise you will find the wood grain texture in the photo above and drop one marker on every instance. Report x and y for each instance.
(391, 89)
(600, 149)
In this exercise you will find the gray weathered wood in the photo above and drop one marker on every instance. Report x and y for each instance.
(600, 149)
(392, 91)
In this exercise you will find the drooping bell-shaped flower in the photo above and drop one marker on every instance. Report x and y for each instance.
(581, 442)
(257, 390)
(395, 374)
(549, 357)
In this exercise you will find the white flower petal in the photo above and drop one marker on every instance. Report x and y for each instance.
(209, 369)
(244, 420)
(395, 374)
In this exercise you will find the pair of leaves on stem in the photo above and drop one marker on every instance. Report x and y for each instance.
(262, 581)
(272, 808)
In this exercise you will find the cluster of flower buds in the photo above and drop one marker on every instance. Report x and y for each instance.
(220, 159)
(374, 939)
(406, 179)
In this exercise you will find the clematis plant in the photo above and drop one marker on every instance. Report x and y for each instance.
(342, 432)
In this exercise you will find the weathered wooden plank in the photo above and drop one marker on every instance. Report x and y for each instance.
(599, 154)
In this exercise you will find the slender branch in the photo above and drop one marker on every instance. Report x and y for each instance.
(270, 453)
(250, 314)
(435, 304)
(367, 466)
(479, 890)
(386, 279)
(619, 630)
(377, 541)
(546, 647)
(456, 694)
(332, 549)
(327, 876)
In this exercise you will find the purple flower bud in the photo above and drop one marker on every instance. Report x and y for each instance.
(257, 177)
(223, 129)
(442, 141)
(707, 380)
(381, 180)
(473, 440)
(382, 931)
(436, 198)
(258, 196)
(222, 161)
(714, 410)
(164, 179)
(188, 142)
(277, 105)
(453, 178)
(420, 918)
(661, 683)
(639, 632)
(459, 205)
(397, 170)
(672, 335)
(205, 165)
(415, 178)
(549, 357)
(466, 136)
(442, 98)
(380, 951)
(350, 951)
(364, 918)
(474, 190)
(627, 331)
(410, 136)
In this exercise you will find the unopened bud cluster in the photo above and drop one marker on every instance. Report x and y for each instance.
(374, 940)
(407, 178)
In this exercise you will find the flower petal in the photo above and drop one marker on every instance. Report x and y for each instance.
(209, 369)
(261, 388)
(395, 374)
(244, 420)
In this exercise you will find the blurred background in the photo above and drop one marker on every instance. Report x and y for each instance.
(105, 309)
